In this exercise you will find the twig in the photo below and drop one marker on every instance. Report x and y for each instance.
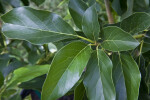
(139, 36)
(109, 14)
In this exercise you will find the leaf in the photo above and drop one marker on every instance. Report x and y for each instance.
(146, 47)
(118, 78)
(15, 97)
(35, 26)
(2, 9)
(1, 39)
(124, 8)
(25, 2)
(79, 92)
(136, 23)
(146, 44)
(148, 76)
(38, 2)
(77, 9)
(98, 78)
(27, 73)
(1, 79)
(62, 2)
(115, 39)
(116, 5)
(132, 76)
(90, 24)
(66, 69)
(4, 60)
(129, 9)
(13, 64)
(14, 3)
(141, 5)
(32, 84)
(91, 2)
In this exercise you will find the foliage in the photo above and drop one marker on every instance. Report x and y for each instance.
(95, 60)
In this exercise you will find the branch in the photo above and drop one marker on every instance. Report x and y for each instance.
(139, 36)
(109, 14)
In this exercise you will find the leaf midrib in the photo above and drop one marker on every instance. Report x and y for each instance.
(118, 41)
(68, 67)
(43, 30)
(100, 73)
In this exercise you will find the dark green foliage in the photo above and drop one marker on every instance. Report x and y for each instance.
(94, 60)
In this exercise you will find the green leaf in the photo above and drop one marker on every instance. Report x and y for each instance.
(132, 76)
(129, 8)
(90, 24)
(15, 97)
(116, 5)
(148, 78)
(25, 2)
(2, 9)
(77, 9)
(8, 92)
(79, 92)
(1, 40)
(14, 3)
(36, 26)
(62, 2)
(146, 47)
(136, 23)
(98, 77)
(141, 6)
(146, 44)
(38, 2)
(1, 79)
(115, 39)
(118, 78)
(91, 2)
(66, 69)
(124, 8)
(13, 64)
(27, 73)
(32, 84)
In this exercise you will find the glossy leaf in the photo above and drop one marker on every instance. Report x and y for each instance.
(90, 24)
(98, 78)
(63, 2)
(27, 73)
(116, 5)
(13, 64)
(79, 92)
(118, 78)
(132, 76)
(38, 2)
(35, 84)
(36, 26)
(66, 69)
(77, 9)
(14, 3)
(141, 5)
(136, 23)
(115, 39)
(129, 9)
(124, 8)
(91, 2)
